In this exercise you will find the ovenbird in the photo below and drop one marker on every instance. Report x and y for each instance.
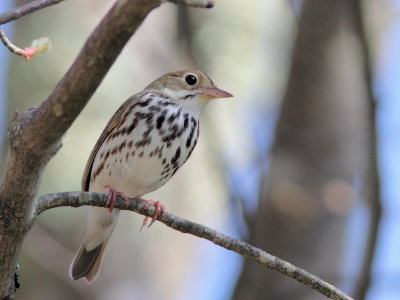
(147, 140)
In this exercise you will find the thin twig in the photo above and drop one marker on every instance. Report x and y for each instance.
(39, 4)
(26, 9)
(27, 53)
(8, 44)
(77, 199)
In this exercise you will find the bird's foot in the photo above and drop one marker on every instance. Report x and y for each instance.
(159, 209)
(112, 197)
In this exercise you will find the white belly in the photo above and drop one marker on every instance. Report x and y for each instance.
(141, 166)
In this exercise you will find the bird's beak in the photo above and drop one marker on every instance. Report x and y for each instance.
(215, 93)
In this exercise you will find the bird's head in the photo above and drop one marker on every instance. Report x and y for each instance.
(192, 89)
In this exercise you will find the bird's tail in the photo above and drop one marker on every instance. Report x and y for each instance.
(99, 227)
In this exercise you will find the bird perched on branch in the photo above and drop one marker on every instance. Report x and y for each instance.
(147, 140)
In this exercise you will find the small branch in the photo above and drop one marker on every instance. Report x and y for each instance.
(8, 44)
(39, 4)
(77, 199)
(27, 52)
(195, 3)
(26, 9)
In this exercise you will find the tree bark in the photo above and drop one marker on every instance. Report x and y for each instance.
(319, 151)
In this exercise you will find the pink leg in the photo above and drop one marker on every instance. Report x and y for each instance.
(112, 197)
(159, 208)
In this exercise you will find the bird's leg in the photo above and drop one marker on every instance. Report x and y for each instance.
(112, 197)
(159, 208)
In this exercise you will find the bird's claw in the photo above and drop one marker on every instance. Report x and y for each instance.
(112, 197)
(159, 208)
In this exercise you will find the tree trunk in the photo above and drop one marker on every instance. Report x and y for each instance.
(318, 153)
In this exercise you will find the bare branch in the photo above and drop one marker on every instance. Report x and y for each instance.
(77, 199)
(10, 46)
(26, 9)
(27, 52)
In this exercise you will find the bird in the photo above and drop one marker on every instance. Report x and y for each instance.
(149, 137)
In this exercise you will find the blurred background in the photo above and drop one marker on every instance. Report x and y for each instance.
(304, 162)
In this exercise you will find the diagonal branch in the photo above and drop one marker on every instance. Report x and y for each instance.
(35, 135)
(74, 90)
(25, 10)
(77, 199)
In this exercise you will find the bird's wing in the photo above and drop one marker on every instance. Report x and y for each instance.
(116, 120)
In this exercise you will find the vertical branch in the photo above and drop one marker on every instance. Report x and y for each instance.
(371, 185)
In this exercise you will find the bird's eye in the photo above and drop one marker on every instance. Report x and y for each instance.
(191, 79)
